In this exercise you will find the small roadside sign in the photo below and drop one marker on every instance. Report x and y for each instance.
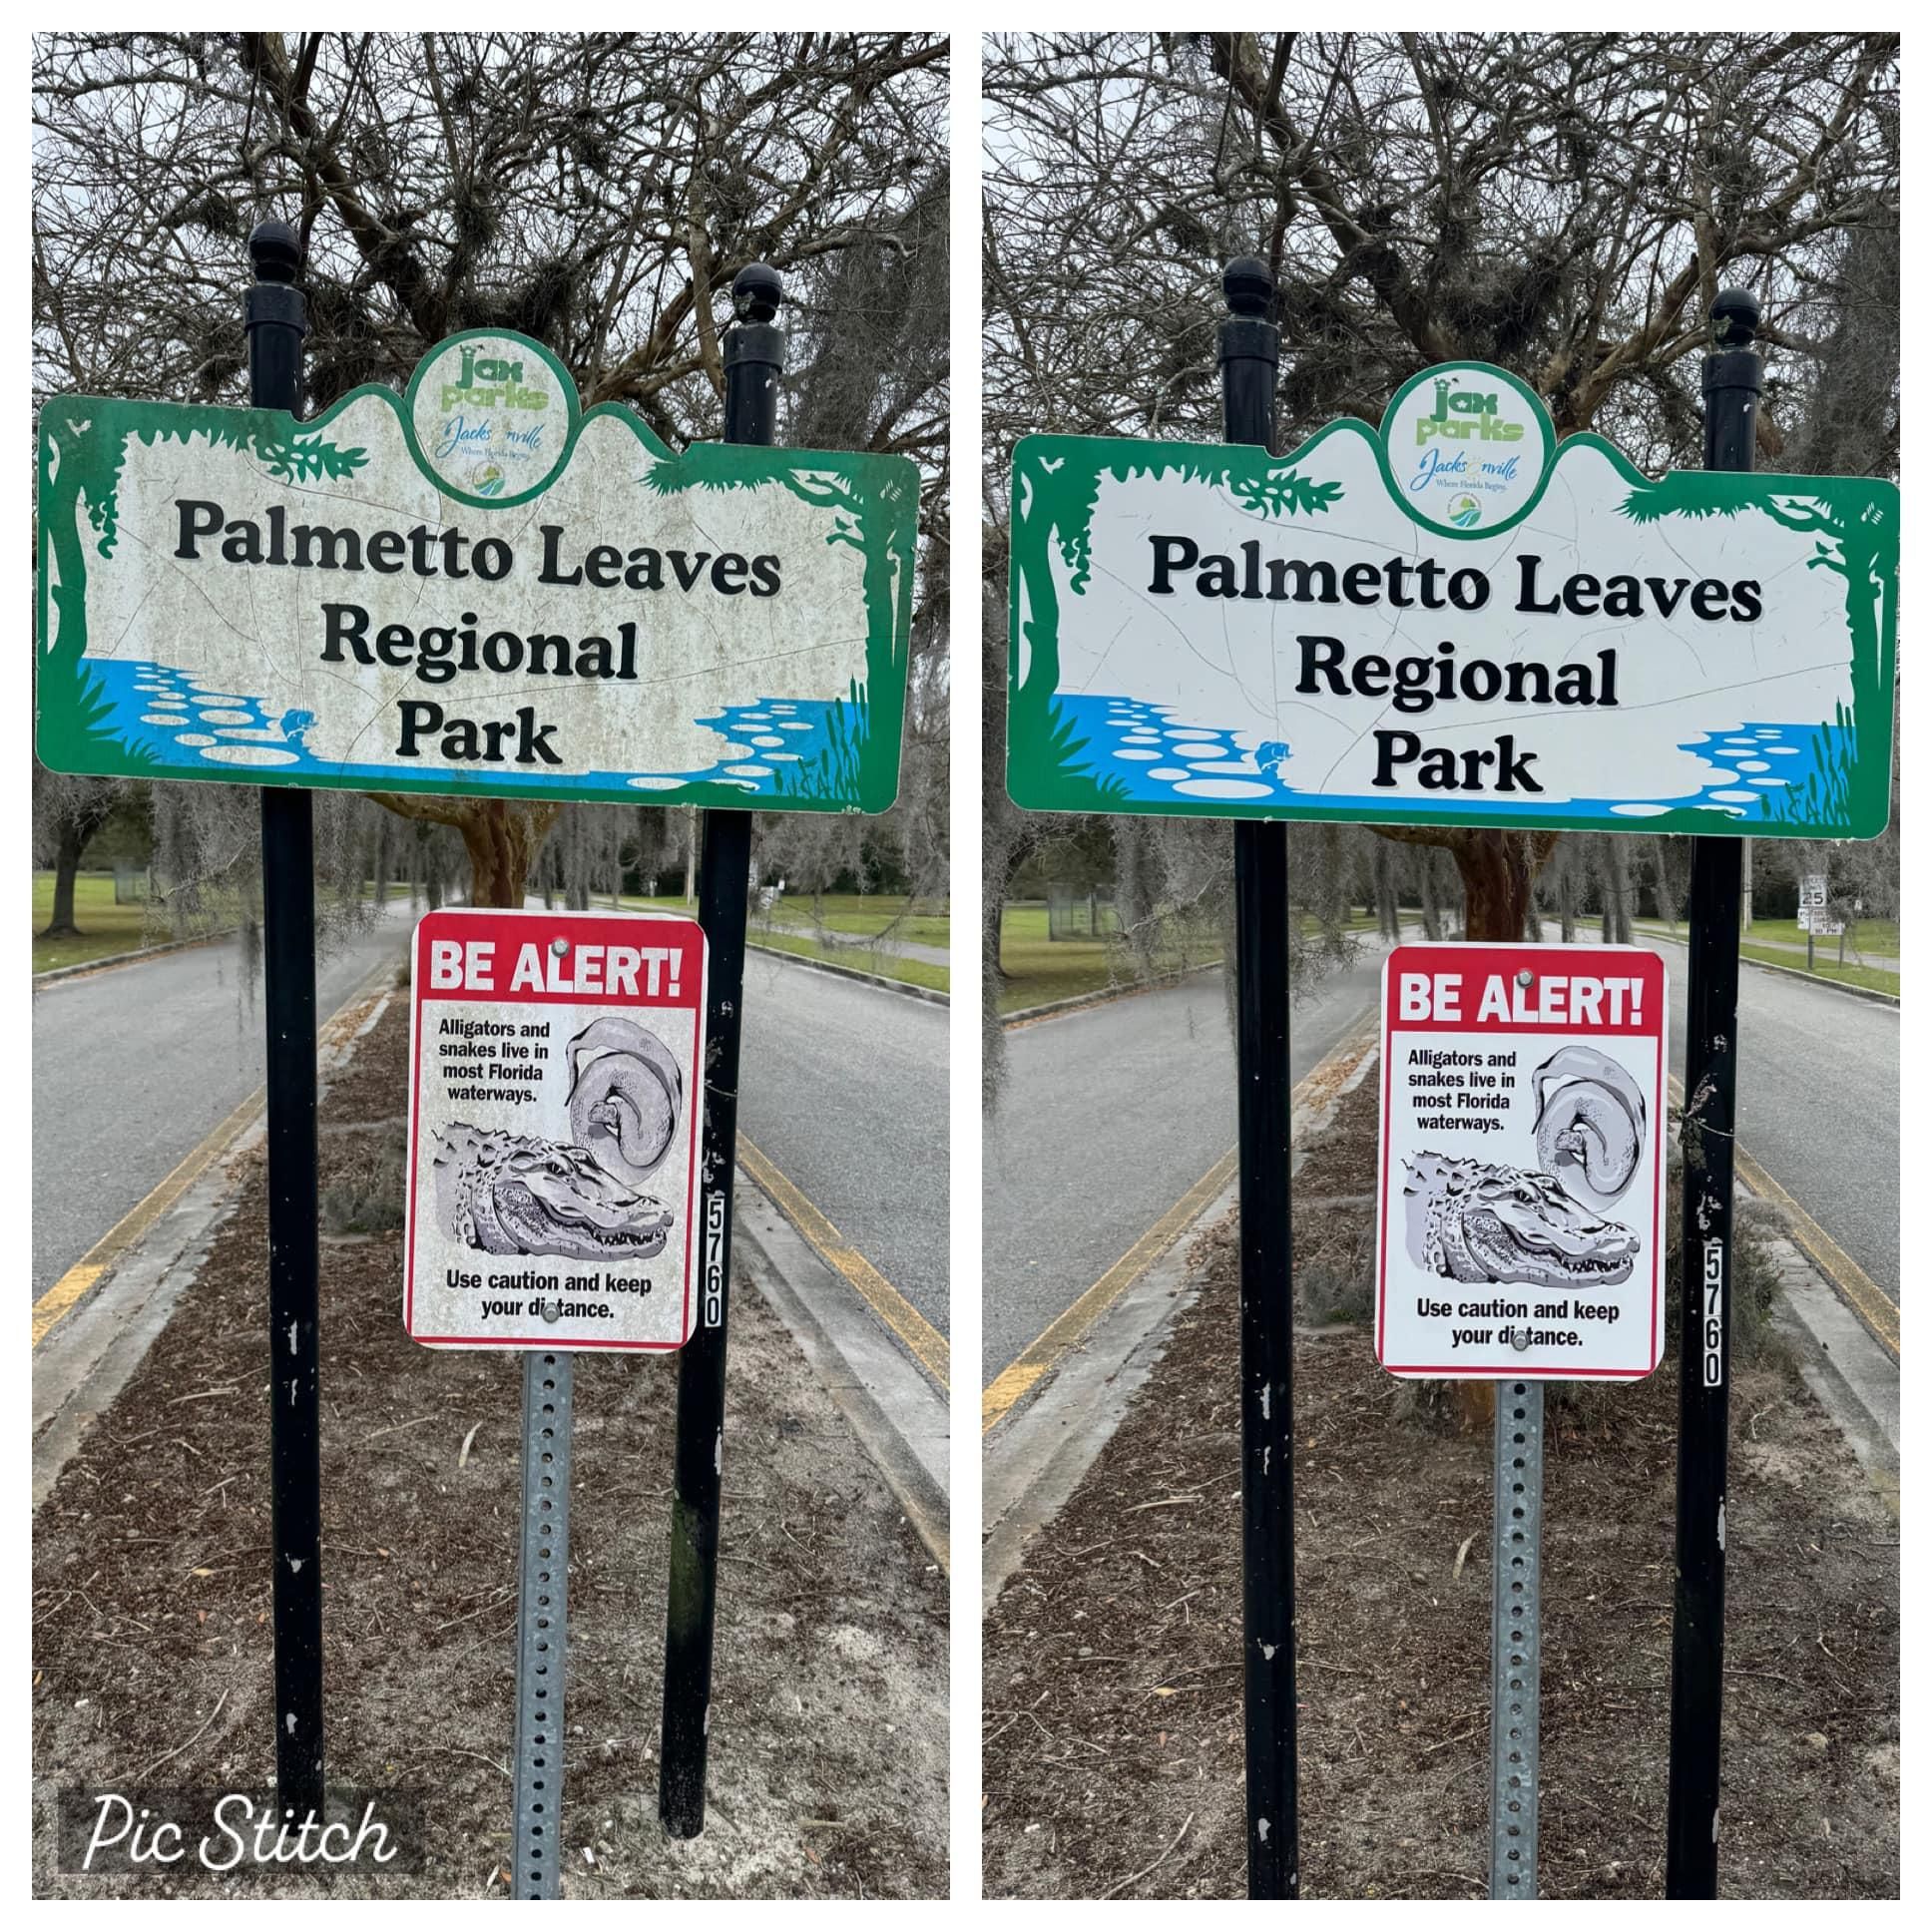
(1812, 891)
(1520, 1223)
(556, 1093)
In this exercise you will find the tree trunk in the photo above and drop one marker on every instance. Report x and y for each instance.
(1498, 870)
(501, 835)
(67, 865)
(1617, 922)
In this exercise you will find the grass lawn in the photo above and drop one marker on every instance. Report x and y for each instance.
(1827, 967)
(1040, 969)
(926, 922)
(771, 936)
(1876, 937)
(913, 972)
(106, 928)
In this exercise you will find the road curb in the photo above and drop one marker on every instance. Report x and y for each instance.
(1796, 972)
(86, 966)
(1074, 1003)
(930, 994)
(92, 1348)
(1853, 1378)
(1035, 1456)
(901, 1421)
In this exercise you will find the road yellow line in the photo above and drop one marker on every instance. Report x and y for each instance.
(927, 1346)
(71, 1289)
(1316, 1089)
(1859, 1293)
(66, 1295)
(1066, 1330)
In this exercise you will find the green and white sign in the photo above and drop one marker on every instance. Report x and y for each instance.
(1452, 620)
(471, 588)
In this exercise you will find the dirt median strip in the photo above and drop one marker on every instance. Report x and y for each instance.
(1113, 1656)
(828, 1718)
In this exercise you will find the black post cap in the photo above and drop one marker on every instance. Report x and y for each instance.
(1249, 287)
(756, 292)
(275, 250)
(1734, 318)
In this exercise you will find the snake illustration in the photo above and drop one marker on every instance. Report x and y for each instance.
(1589, 1123)
(626, 1094)
(511, 1193)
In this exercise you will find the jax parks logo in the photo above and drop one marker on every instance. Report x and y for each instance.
(490, 382)
(492, 415)
(1466, 415)
(1467, 448)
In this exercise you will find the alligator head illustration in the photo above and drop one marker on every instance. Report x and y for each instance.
(509, 1195)
(1476, 1222)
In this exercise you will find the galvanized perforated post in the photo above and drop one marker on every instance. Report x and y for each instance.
(542, 1597)
(1516, 1645)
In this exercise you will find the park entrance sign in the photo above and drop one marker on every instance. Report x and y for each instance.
(471, 588)
(1455, 621)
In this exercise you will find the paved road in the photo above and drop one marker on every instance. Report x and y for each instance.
(133, 1067)
(843, 1087)
(1108, 1115)
(1817, 1103)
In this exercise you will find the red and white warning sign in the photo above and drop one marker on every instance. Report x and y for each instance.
(556, 1093)
(1520, 1227)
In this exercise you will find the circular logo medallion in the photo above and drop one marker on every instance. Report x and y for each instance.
(1468, 446)
(492, 414)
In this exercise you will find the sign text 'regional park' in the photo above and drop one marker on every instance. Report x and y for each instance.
(470, 588)
(1456, 621)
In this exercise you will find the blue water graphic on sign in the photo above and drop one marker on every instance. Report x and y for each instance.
(1156, 756)
(186, 722)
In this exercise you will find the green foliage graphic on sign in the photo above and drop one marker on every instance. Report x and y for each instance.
(1456, 621)
(470, 589)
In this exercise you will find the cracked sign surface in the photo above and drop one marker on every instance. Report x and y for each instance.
(1520, 1206)
(471, 589)
(555, 1121)
(1454, 621)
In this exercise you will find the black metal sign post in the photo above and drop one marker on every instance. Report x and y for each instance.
(277, 320)
(1734, 375)
(753, 360)
(1250, 350)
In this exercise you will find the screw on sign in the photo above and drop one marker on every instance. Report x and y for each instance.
(1520, 1238)
(555, 1119)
